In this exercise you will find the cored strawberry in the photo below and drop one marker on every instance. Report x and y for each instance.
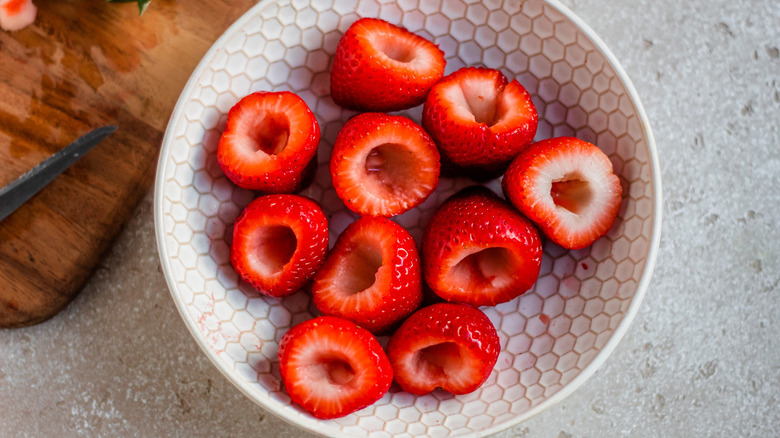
(479, 250)
(383, 165)
(567, 187)
(479, 120)
(279, 241)
(383, 67)
(371, 276)
(446, 345)
(331, 367)
(270, 143)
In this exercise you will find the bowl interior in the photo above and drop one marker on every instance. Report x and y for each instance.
(552, 337)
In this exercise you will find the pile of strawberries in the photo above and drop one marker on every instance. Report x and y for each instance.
(477, 250)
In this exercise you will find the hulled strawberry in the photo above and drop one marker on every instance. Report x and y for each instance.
(479, 120)
(446, 345)
(372, 275)
(567, 187)
(383, 165)
(331, 367)
(279, 241)
(479, 250)
(382, 67)
(270, 143)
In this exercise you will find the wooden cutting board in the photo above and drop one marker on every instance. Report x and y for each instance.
(82, 65)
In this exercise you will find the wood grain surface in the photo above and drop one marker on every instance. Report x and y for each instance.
(82, 65)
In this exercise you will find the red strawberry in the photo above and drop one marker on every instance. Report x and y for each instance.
(383, 165)
(371, 276)
(479, 250)
(270, 139)
(567, 187)
(446, 345)
(332, 367)
(279, 241)
(383, 67)
(479, 121)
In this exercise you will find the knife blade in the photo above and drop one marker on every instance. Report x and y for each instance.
(20, 190)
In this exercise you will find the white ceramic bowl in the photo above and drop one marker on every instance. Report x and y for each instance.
(552, 338)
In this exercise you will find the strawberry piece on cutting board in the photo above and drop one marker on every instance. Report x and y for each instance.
(16, 14)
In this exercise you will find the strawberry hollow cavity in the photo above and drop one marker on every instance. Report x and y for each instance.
(485, 106)
(397, 52)
(402, 50)
(267, 134)
(479, 99)
(438, 362)
(332, 369)
(573, 192)
(272, 247)
(391, 169)
(359, 268)
(490, 269)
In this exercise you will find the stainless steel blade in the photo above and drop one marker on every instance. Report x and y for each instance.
(26, 186)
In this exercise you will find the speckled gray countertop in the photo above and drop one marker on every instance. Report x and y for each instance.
(701, 359)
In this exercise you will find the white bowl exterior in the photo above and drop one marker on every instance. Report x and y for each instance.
(553, 337)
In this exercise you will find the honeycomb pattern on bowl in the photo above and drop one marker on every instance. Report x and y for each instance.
(549, 336)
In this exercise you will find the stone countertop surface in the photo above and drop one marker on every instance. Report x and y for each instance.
(702, 357)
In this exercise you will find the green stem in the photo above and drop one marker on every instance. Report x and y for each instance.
(142, 4)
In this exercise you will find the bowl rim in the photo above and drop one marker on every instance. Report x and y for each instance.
(315, 426)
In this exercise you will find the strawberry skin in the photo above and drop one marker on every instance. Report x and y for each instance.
(372, 276)
(479, 120)
(446, 345)
(279, 241)
(270, 143)
(331, 367)
(567, 187)
(382, 67)
(383, 165)
(479, 250)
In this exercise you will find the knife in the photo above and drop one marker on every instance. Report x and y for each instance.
(26, 186)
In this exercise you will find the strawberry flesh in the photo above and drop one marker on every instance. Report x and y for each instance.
(567, 187)
(269, 143)
(480, 121)
(479, 250)
(382, 67)
(372, 276)
(446, 345)
(16, 14)
(383, 165)
(279, 241)
(331, 367)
